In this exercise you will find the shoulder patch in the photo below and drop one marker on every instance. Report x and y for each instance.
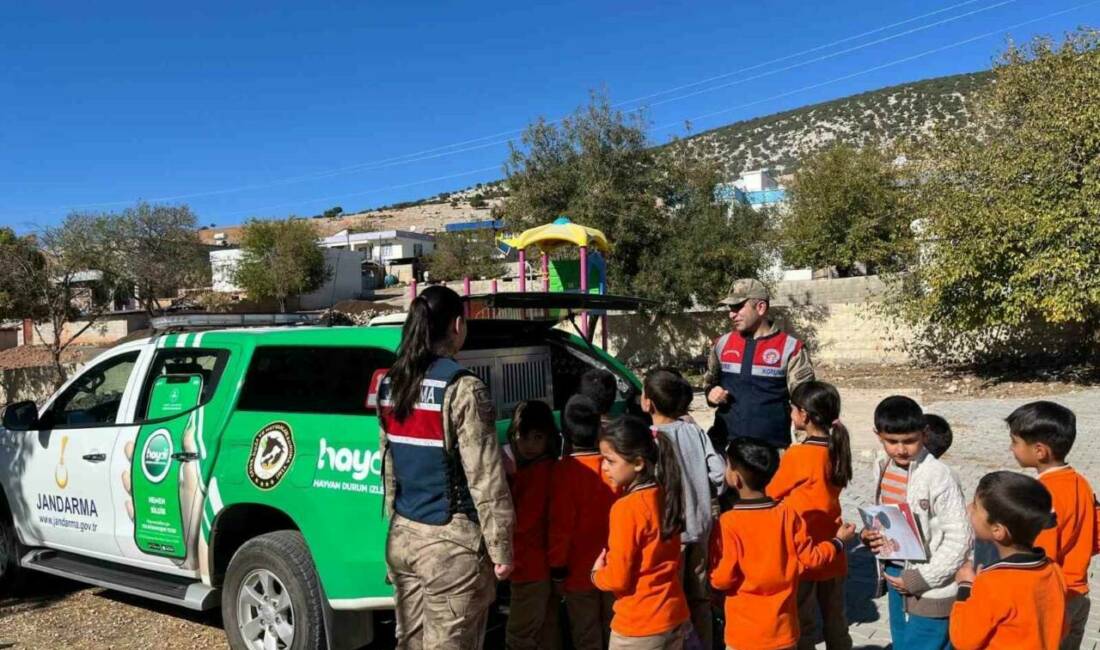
(924, 505)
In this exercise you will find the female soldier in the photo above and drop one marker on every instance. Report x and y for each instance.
(446, 493)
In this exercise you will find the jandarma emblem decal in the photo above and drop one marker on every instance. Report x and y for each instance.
(272, 455)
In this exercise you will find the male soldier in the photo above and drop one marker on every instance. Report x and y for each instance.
(752, 370)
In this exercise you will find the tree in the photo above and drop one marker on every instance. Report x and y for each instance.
(478, 201)
(459, 255)
(56, 282)
(280, 259)
(333, 212)
(1010, 209)
(845, 209)
(598, 168)
(155, 249)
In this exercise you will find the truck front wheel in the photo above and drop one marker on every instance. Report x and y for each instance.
(11, 573)
(272, 597)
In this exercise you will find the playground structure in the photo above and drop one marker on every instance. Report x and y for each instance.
(586, 274)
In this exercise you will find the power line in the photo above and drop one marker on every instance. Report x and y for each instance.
(733, 108)
(882, 66)
(450, 150)
(365, 192)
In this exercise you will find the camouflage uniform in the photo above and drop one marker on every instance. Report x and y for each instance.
(443, 575)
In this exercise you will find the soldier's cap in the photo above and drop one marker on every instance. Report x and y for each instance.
(745, 289)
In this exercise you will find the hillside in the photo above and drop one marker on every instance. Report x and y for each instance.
(777, 141)
(876, 117)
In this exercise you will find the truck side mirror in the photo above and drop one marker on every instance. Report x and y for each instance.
(20, 416)
(374, 387)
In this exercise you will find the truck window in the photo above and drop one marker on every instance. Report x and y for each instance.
(188, 361)
(311, 379)
(93, 399)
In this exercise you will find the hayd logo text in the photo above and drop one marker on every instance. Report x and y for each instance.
(359, 462)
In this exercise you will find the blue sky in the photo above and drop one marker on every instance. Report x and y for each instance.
(272, 108)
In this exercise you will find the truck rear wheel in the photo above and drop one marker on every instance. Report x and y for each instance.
(272, 597)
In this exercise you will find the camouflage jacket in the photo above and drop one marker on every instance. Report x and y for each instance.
(470, 422)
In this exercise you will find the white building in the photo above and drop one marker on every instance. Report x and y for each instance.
(346, 278)
(383, 246)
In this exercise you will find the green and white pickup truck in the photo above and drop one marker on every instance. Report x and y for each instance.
(239, 467)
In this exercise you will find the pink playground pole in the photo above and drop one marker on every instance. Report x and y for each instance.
(584, 287)
(545, 273)
(493, 286)
(522, 270)
(466, 292)
(412, 291)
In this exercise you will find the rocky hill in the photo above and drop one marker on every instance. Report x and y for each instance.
(876, 117)
(777, 141)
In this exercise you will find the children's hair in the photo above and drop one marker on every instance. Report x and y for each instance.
(669, 391)
(535, 415)
(599, 385)
(755, 461)
(1016, 501)
(428, 326)
(580, 422)
(821, 402)
(937, 435)
(898, 414)
(632, 439)
(1051, 424)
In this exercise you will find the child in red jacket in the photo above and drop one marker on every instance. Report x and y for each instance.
(580, 503)
(641, 564)
(535, 441)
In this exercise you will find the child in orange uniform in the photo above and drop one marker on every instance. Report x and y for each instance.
(534, 438)
(702, 473)
(641, 564)
(1018, 602)
(810, 478)
(1042, 436)
(580, 504)
(758, 552)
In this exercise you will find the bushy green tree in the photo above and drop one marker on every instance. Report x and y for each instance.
(55, 279)
(845, 209)
(1010, 209)
(460, 255)
(279, 259)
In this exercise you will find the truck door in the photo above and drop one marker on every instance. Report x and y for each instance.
(64, 466)
(161, 468)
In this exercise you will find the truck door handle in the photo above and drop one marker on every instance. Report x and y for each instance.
(95, 458)
(185, 456)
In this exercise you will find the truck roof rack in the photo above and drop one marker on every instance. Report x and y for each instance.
(181, 322)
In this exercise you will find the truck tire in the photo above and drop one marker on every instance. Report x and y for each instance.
(11, 572)
(272, 596)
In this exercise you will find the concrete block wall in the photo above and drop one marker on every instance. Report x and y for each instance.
(104, 331)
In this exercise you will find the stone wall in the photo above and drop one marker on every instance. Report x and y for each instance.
(837, 318)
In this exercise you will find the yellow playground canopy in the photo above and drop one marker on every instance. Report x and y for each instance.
(561, 232)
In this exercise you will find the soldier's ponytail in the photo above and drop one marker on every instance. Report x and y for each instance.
(431, 318)
(821, 402)
(632, 438)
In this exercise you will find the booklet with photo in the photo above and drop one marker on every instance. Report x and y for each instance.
(898, 528)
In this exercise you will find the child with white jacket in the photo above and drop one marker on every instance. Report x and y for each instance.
(921, 594)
